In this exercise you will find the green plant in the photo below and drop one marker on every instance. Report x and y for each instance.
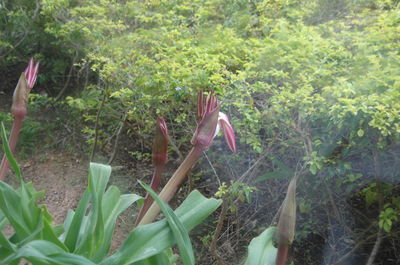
(19, 108)
(85, 237)
(262, 250)
(209, 123)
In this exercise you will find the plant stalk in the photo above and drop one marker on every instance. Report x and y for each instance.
(173, 184)
(155, 183)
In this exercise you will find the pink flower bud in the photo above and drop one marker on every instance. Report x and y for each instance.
(227, 129)
(210, 120)
(207, 114)
(160, 144)
(20, 99)
(31, 73)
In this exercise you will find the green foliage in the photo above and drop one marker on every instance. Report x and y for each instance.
(237, 191)
(387, 217)
(85, 237)
(304, 82)
(29, 134)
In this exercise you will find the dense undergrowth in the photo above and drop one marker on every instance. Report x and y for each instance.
(312, 88)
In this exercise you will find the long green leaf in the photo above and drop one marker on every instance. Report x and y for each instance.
(93, 232)
(42, 252)
(262, 250)
(10, 201)
(164, 258)
(148, 240)
(178, 230)
(113, 205)
(73, 227)
(9, 155)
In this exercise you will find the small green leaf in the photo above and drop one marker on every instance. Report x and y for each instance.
(360, 133)
(313, 169)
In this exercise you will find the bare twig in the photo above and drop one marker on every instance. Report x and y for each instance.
(68, 78)
(117, 137)
(375, 249)
(357, 246)
(217, 232)
(96, 129)
(258, 161)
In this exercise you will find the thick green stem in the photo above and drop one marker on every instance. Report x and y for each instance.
(155, 183)
(173, 184)
(5, 165)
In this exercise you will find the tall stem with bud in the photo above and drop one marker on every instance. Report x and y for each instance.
(287, 223)
(160, 158)
(209, 122)
(18, 109)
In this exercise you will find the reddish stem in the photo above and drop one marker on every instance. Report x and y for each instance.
(155, 183)
(5, 165)
(282, 255)
(173, 184)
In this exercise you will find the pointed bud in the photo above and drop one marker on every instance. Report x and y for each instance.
(160, 144)
(227, 129)
(287, 217)
(207, 114)
(210, 120)
(20, 98)
(31, 73)
(286, 223)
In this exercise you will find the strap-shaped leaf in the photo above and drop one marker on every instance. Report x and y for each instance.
(148, 240)
(41, 252)
(8, 153)
(92, 228)
(113, 205)
(73, 227)
(178, 230)
(261, 249)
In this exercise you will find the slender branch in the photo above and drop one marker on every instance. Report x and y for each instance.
(217, 232)
(357, 246)
(117, 137)
(375, 249)
(96, 129)
(68, 78)
(378, 240)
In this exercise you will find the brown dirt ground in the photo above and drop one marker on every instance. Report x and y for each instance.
(63, 177)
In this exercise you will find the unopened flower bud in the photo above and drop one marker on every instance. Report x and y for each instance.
(207, 114)
(31, 73)
(287, 223)
(160, 144)
(20, 98)
(287, 217)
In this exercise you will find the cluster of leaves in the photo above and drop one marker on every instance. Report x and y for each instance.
(85, 237)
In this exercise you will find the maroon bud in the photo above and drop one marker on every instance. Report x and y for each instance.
(160, 144)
